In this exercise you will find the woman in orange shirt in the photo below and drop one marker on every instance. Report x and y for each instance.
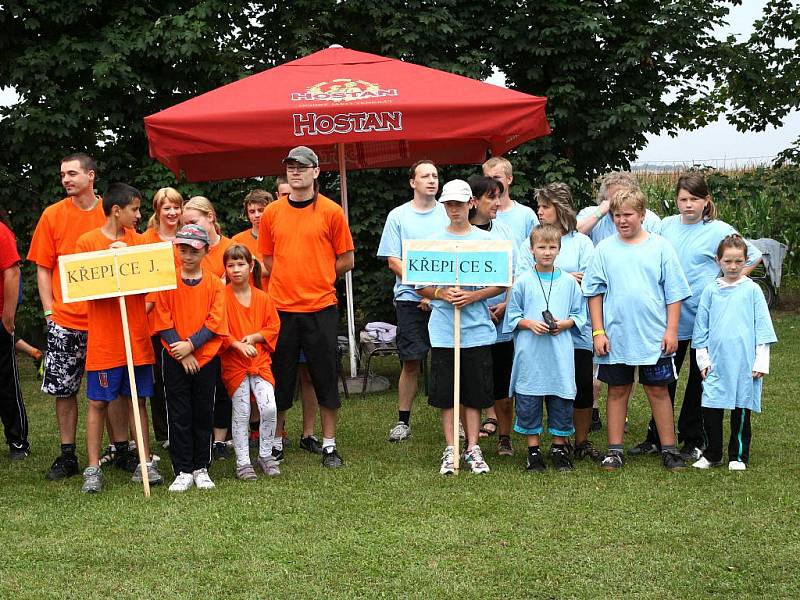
(253, 325)
(162, 227)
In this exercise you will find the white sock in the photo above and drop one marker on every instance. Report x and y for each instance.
(328, 443)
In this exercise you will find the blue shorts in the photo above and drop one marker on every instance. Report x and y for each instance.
(108, 385)
(529, 415)
(661, 373)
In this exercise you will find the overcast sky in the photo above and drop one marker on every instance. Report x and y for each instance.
(718, 144)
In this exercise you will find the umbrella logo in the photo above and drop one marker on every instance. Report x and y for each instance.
(343, 90)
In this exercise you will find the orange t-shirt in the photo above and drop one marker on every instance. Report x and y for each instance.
(304, 244)
(188, 307)
(151, 237)
(213, 260)
(56, 234)
(260, 317)
(245, 238)
(106, 346)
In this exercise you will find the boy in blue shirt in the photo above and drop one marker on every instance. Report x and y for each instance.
(545, 302)
(477, 335)
(635, 285)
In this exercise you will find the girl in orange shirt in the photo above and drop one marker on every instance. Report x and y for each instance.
(253, 325)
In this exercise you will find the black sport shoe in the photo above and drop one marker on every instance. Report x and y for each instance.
(586, 450)
(331, 458)
(560, 458)
(612, 461)
(63, 467)
(277, 454)
(310, 444)
(220, 451)
(690, 453)
(535, 463)
(18, 452)
(643, 449)
(673, 461)
(126, 461)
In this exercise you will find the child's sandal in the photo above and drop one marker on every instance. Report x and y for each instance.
(488, 427)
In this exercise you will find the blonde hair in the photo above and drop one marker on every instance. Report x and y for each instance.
(631, 197)
(546, 233)
(560, 197)
(203, 205)
(618, 178)
(161, 197)
(498, 161)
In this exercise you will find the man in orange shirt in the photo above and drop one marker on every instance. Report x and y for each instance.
(58, 230)
(306, 244)
(108, 384)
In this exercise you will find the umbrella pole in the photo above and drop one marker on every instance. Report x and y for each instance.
(348, 277)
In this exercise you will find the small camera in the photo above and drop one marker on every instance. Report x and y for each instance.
(549, 320)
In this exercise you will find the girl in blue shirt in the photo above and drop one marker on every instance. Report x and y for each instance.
(695, 233)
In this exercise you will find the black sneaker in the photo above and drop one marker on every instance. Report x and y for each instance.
(63, 467)
(643, 449)
(18, 452)
(673, 461)
(331, 458)
(612, 461)
(535, 463)
(310, 444)
(127, 461)
(587, 450)
(690, 453)
(220, 451)
(277, 454)
(560, 458)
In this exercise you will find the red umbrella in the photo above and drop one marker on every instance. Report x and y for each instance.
(356, 110)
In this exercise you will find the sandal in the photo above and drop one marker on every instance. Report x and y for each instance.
(488, 427)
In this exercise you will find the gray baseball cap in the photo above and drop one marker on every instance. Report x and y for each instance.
(302, 155)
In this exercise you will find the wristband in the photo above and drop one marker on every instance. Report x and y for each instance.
(47, 313)
(596, 332)
(598, 214)
(436, 293)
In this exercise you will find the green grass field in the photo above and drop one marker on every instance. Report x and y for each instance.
(388, 525)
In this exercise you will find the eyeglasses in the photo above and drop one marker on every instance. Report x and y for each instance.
(298, 168)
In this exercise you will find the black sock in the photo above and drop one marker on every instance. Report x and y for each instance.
(558, 446)
(533, 450)
(219, 443)
(404, 416)
(67, 449)
(671, 449)
(254, 425)
(508, 437)
(121, 447)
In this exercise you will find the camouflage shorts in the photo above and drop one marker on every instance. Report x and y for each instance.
(65, 360)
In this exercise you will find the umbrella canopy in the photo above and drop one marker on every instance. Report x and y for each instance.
(387, 112)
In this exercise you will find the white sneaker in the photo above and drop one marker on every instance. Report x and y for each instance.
(737, 465)
(183, 482)
(474, 459)
(448, 463)
(400, 432)
(704, 463)
(202, 480)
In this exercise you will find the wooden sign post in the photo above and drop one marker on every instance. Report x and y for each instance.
(452, 263)
(116, 273)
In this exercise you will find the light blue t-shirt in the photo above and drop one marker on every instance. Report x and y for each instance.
(404, 222)
(477, 328)
(520, 219)
(637, 282)
(731, 321)
(574, 256)
(544, 364)
(605, 226)
(500, 231)
(696, 246)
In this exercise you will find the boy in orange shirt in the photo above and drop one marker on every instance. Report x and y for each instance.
(192, 324)
(56, 233)
(107, 383)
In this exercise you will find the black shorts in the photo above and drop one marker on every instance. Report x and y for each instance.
(476, 377)
(413, 341)
(502, 361)
(584, 374)
(661, 373)
(314, 333)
